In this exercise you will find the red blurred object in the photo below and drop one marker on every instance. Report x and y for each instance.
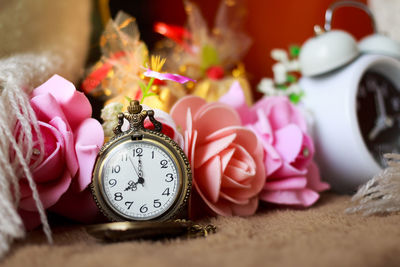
(95, 77)
(215, 73)
(177, 33)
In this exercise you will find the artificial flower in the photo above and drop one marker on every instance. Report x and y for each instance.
(226, 158)
(72, 140)
(286, 71)
(292, 177)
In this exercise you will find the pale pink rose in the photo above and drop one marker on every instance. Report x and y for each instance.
(292, 177)
(226, 158)
(72, 140)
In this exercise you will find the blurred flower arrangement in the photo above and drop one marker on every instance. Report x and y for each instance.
(211, 56)
(240, 153)
(286, 75)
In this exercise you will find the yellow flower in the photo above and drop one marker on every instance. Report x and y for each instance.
(156, 63)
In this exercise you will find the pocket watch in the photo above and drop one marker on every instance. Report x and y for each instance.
(141, 174)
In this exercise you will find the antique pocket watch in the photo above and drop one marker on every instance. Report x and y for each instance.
(141, 174)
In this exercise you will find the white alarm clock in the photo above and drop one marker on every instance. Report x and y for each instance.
(353, 94)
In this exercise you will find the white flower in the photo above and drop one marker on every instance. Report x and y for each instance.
(279, 71)
(279, 55)
(292, 65)
(294, 88)
(266, 86)
(109, 114)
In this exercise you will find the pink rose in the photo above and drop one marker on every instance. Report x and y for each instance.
(226, 158)
(71, 139)
(292, 177)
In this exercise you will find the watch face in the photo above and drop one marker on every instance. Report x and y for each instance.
(378, 112)
(140, 180)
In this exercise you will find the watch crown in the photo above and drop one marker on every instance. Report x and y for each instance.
(134, 107)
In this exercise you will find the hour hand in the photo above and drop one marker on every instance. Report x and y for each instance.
(381, 124)
(131, 186)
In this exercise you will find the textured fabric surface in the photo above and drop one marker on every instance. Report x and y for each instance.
(322, 235)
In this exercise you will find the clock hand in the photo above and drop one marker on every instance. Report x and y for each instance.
(381, 109)
(381, 124)
(134, 167)
(131, 186)
(140, 174)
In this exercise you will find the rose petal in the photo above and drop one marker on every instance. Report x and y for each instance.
(243, 136)
(246, 210)
(208, 150)
(53, 164)
(236, 99)
(286, 184)
(288, 142)
(74, 104)
(220, 115)
(228, 182)
(314, 180)
(46, 107)
(237, 201)
(303, 197)
(89, 138)
(208, 178)
(281, 112)
(49, 193)
(180, 109)
(288, 170)
(69, 150)
(226, 156)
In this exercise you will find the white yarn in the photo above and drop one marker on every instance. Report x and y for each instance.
(381, 194)
(18, 76)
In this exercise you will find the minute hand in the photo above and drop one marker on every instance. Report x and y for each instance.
(380, 102)
(134, 167)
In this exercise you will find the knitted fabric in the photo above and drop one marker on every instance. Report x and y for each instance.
(18, 76)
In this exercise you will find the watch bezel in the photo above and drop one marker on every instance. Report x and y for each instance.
(178, 208)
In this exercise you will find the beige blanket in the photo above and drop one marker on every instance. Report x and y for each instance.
(320, 236)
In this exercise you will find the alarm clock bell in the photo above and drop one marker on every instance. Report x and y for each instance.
(352, 92)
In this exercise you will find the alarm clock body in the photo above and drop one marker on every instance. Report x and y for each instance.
(356, 114)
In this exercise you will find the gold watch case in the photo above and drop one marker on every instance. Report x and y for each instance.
(137, 132)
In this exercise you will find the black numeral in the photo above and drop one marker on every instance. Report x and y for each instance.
(143, 209)
(152, 154)
(118, 196)
(128, 204)
(115, 169)
(157, 203)
(164, 164)
(166, 192)
(170, 177)
(112, 182)
(138, 152)
(124, 157)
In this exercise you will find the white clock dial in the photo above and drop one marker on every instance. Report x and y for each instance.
(140, 180)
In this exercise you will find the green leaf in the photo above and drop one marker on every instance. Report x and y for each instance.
(128, 98)
(291, 78)
(151, 94)
(143, 88)
(209, 57)
(294, 51)
(281, 87)
(295, 98)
